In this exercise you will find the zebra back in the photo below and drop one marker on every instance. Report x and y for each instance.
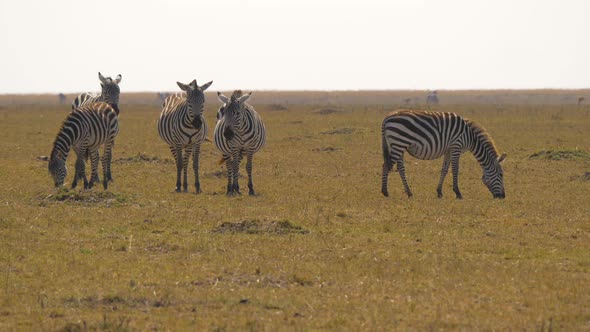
(86, 98)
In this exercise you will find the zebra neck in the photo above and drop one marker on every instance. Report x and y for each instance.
(483, 150)
(189, 113)
(61, 146)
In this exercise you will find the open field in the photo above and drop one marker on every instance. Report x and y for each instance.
(319, 249)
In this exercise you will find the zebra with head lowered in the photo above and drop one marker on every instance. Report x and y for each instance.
(183, 127)
(85, 129)
(431, 135)
(239, 131)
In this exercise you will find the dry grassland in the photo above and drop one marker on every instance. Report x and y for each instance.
(318, 249)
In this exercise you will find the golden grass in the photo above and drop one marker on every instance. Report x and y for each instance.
(328, 251)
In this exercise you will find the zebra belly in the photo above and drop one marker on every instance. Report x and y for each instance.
(424, 152)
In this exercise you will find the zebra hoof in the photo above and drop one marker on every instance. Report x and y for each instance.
(177, 190)
(385, 193)
(252, 193)
(439, 195)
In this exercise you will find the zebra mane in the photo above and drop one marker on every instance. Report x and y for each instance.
(236, 94)
(483, 135)
(54, 149)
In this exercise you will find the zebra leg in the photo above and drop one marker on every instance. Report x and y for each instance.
(251, 191)
(443, 174)
(387, 166)
(455, 170)
(177, 153)
(196, 152)
(94, 159)
(236, 173)
(229, 164)
(402, 173)
(185, 158)
(80, 168)
(106, 164)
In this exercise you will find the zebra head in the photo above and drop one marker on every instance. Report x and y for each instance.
(195, 98)
(57, 168)
(232, 111)
(493, 177)
(110, 90)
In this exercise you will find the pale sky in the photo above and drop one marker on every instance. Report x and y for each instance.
(61, 45)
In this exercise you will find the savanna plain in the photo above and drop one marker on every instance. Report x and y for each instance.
(319, 247)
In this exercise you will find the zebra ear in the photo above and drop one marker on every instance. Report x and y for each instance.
(244, 97)
(118, 79)
(222, 97)
(182, 86)
(501, 158)
(101, 78)
(206, 85)
(193, 83)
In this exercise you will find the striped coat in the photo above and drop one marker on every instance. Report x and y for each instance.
(431, 135)
(182, 126)
(239, 131)
(84, 130)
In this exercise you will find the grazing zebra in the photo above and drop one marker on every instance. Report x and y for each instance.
(431, 135)
(85, 129)
(183, 127)
(109, 93)
(239, 131)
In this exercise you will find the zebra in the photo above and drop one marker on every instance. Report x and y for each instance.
(239, 130)
(84, 130)
(431, 135)
(183, 127)
(432, 98)
(109, 93)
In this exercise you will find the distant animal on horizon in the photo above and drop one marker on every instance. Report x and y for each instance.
(62, 98)
(182, 126)
(162, 96)
(432, 98)
(84, 130)
(431, 135)
(580, 100)
(239, 131)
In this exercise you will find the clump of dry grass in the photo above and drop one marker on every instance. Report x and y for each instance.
(572, 154)
(280, 227)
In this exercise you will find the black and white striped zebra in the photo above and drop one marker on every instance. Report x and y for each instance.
(239, 130)
(84, 130)
(431, 135)
(109, 93)
(183, 127)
